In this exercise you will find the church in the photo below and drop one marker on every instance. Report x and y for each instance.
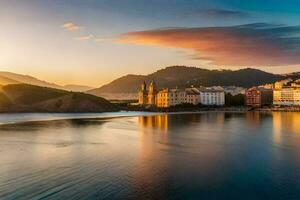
(148, 96)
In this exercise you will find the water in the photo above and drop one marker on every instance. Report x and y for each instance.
(179, 156)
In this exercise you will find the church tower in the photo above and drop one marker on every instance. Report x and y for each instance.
(152, 93)
(143, 94)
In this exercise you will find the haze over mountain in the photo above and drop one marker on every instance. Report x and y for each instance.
(30, 98)
(182, 76)
(14, 78)
(77, 88)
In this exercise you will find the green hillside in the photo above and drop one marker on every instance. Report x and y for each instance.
(29, 98)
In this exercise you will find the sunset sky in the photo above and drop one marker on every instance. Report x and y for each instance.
(92, 42)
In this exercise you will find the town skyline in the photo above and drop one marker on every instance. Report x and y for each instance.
(94, 42)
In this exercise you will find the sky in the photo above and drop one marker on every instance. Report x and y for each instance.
(93, 42)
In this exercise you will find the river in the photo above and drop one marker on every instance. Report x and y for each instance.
(213, 155)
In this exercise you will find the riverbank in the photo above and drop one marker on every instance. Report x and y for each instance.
(184, 108)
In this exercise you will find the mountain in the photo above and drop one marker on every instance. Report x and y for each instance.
(77, 88)
(182, 76)
(13, 78)
(30, 98)
(19, 78)
(5, 81)
(293, 75)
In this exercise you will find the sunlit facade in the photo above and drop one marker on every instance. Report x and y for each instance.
(170, 97)
(287, 95)
(148, 97)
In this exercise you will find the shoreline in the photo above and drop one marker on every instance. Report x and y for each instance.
(209, 109)
(21, 118)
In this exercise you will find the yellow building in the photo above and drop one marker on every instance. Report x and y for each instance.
(287, 95)
(279, 84)
(170, 97)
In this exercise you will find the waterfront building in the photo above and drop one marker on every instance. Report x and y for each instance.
(192, 96)
(170, 97)
(287, 95)
(279, 84)
(147, 97)
(212, 96)
(152, 93)
(143, 94)
(283, 96)
(259, 96)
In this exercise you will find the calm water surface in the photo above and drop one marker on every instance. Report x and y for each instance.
(180, 156)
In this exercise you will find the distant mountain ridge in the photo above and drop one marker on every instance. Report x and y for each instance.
(182, 76)
(14, 78)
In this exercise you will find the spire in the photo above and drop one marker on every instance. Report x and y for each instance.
(152, 87)
(143, 86)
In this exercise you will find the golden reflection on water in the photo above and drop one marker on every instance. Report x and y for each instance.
(288, 120)
(160, 121)
(283, 122)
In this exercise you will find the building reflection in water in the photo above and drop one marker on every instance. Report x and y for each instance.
(164, 139)
(151, 162)
(154, 122)
(285, 121)
(166, 122)
(254, 118)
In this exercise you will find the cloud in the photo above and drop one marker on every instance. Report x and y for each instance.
(219, 13)
(104, 39)
(244, 45)
(71, 26)
(86, 37)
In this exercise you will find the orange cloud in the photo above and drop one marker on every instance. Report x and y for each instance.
(246, 45)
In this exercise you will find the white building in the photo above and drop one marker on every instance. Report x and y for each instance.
(212, 96)
(192, 96)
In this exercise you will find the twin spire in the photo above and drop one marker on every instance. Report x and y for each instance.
(152, 86)
(148, 97)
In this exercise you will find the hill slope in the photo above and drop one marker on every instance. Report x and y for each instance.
(28, 80)
(181, 76)
(5, 81)
(14, 78)
(29, 98)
